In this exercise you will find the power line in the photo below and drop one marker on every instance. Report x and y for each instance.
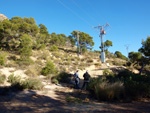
(74, 12)
(84, 11)
(98, 13)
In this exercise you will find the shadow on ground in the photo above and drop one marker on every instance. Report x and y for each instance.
(29, 101)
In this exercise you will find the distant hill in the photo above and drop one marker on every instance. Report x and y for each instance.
(2, 17)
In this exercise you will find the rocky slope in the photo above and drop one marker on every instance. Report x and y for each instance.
(2, 17)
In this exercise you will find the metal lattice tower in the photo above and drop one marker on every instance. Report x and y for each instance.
(102, 32)
(78, 45)
(127, 48)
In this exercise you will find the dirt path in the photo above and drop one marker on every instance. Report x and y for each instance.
(52, 100)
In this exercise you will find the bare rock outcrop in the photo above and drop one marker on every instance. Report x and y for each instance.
(2, 17)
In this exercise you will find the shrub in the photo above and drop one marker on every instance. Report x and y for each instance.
(25, 48)
(48, 69)
(43, 55)
(71, 99)
(2, 58)
(57, 55)
(137, 86)
(15, 82)
(97, 65)
(64, 77)
(54, 48)
(14, 79)
(109, 91)
(108, 72)
(32, 83)
(89, 60)
(2, 79)
(55, 81)
(33, 70)
(24, 61)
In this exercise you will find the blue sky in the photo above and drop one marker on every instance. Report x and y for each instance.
(129, 19)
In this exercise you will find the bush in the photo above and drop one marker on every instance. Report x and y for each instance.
(32, 83)
(108, 72)
(55, 81)
(71, 99)
(14, 79)
(104, 90)
(54, 48)
(24, 61)
(33, 70)
(2, 79)
(97, 65)
(64, 77)
(57, 55)
(48, 69)
(137, 86)
(109, 91)
(25, 48)
(2, 59)
(89, 60)
(15, 82)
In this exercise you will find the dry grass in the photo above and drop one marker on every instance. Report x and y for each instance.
(33, 70)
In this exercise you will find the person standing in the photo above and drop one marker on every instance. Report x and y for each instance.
(86, 77)
(77, 79)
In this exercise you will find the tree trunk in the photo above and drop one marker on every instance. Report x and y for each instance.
(141, 68)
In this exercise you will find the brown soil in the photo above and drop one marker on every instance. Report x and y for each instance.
(52, 100)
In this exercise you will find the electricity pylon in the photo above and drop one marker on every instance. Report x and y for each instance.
(102, 32)
(127, 47)
(78, 45)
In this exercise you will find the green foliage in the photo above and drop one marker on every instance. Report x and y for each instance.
(48, 69)
(32, 83)
(84, 50)
(135, 56)
(89, 60)
(119, 55)
(109, 91)
(2, 79)
(2, 58)
(55, 81)
(54, 48)
(25, 46)
(145, 49)
(102, 89)
(107, 44)
(14, 79)
(85, 40)
(58, 39)
(11, 32)
(57, 54)
(43, 29)
(97, 65)
(108, 72)
(15, 82)
(64, 77)
(71, 99)
(136, 86)
(24, 61)
(126, 86)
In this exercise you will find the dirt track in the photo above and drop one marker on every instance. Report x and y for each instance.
(53, 101)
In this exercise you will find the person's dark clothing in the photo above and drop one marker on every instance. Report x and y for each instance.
(86, 80)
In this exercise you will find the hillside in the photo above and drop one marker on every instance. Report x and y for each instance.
(36, 73)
